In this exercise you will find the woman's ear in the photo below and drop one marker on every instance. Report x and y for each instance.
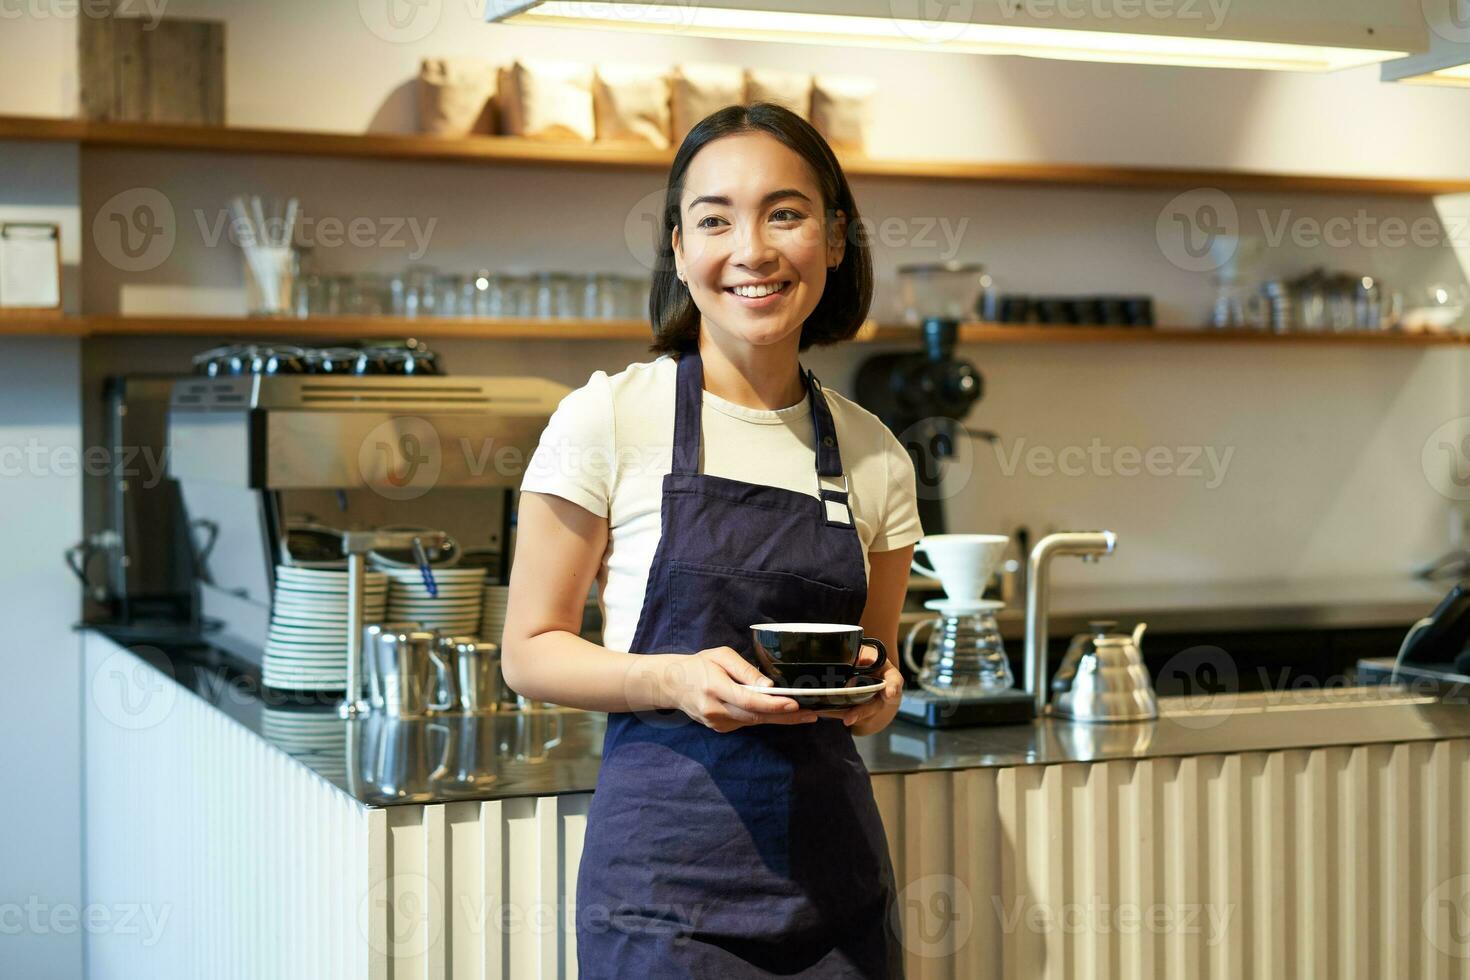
(836, 238)
(676, 243)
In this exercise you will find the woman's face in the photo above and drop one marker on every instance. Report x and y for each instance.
(755, 245)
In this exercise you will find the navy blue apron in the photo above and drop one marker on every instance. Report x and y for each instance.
(757, 852)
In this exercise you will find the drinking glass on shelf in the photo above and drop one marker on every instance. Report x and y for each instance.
(306, 296)
(418, 293)
(482, 289)
(448, 293)
(518, 296)
(554, 296)
(1311, 307)
(634, 298)
(365, 294)
(608, 290)
(334, 295)
(1256, 311)
(587, 293)
(398, 295)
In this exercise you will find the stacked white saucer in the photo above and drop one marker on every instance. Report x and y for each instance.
(492, 612)
(456, 607)
(306, 649)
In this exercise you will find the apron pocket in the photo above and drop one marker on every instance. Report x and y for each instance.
(714, 605)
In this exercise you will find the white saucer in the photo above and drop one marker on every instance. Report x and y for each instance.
(958, 607)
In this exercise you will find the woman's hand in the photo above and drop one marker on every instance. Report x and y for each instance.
(706, 687)
(873, 716)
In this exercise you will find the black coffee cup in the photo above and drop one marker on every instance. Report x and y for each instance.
(814, 655)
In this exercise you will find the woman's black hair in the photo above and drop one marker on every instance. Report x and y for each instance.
(849, 291)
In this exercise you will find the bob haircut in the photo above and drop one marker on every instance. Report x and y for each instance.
(849, 290)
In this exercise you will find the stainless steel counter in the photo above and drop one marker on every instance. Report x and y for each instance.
(1343, 603)
(384, 762)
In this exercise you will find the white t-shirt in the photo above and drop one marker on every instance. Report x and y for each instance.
(610, 443)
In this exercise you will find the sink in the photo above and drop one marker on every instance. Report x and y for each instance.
(1311, 699)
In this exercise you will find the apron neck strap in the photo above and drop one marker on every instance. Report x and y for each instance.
(829, 459)
(689, 404)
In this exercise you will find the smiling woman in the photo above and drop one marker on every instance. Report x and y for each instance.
(768, 212)
(733, 832)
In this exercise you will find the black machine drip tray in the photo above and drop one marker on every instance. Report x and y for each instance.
(946, 711)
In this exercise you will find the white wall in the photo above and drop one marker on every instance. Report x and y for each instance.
(40, 672)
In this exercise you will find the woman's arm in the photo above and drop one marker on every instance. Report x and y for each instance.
(888, 583)
(559, 547)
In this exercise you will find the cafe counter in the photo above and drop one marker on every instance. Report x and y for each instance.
(1312, 833)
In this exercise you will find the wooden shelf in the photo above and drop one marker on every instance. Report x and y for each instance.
(516, 151)
(479, 328)
(992, 333)
(39, 323)
(344, 327)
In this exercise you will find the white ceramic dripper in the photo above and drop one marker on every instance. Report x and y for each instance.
(963, 563)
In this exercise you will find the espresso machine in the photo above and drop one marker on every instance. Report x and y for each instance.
(277, 464)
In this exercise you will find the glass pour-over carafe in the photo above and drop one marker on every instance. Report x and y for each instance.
(965, 656)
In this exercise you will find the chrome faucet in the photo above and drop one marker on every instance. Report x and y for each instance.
(1090, 545)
